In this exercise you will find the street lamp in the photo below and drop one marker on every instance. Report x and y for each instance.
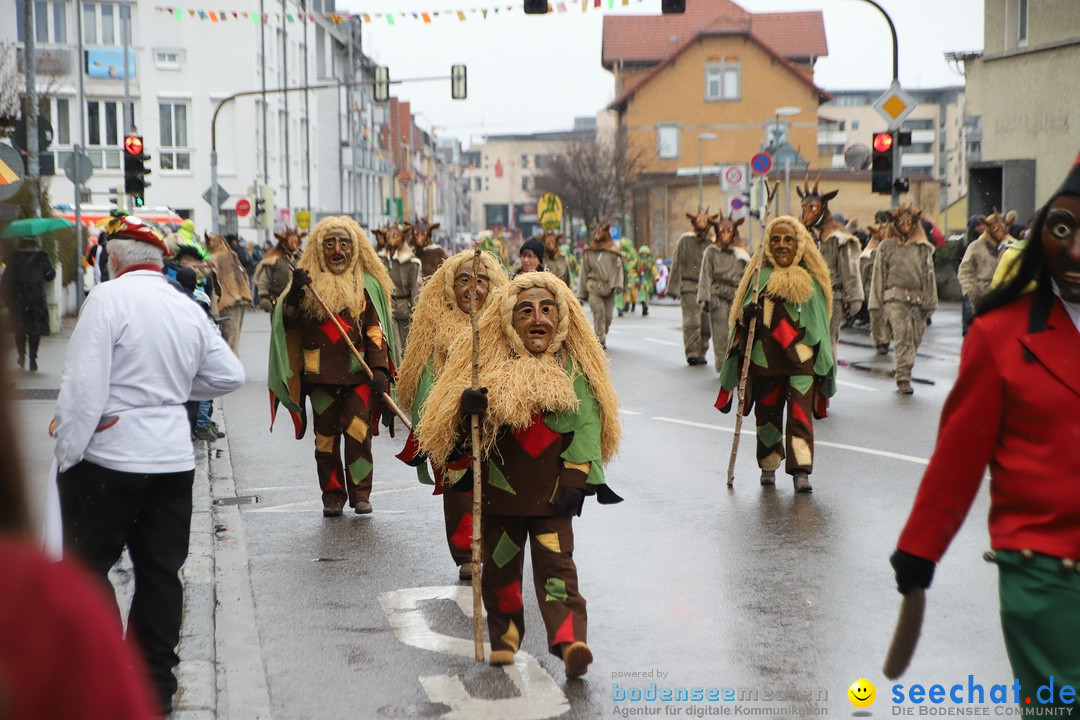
(700, 168)
(785, 111)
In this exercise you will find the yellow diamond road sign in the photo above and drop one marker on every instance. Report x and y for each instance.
(895, 104)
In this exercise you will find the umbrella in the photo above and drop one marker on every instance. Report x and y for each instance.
(31, 227)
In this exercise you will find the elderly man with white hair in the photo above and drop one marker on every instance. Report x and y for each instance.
(140, 350)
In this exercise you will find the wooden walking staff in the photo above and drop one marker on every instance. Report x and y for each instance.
(740, 392)
(477, 605)
(387, 400)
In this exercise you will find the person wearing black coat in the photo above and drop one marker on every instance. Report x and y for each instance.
(23, 291)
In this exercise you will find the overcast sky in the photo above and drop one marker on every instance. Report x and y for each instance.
(531, 73)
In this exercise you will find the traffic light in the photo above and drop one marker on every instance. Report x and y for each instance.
(458, 82)
(262, 203)
(901, 185)
(135, 170)
(382, 83)
(881, 165)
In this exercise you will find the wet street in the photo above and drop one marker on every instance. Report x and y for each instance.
(767, 603)
(784, 599)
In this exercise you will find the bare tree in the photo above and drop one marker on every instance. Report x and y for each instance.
(593, 178)
(11, 88)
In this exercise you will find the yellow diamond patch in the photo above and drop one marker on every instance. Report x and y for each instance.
(550, 541)
(357, 429)
(803, 454)
(804, 351)
(311, 362)
(512, 637)
(324, 443)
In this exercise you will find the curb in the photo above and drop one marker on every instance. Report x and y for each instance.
(221, 674)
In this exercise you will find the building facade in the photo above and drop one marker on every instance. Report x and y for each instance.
(317, 149)
(1017, 86)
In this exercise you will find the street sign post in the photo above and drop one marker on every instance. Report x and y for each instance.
(222, 196)
(895, 104)
(78, 168)
(761, 163)
(733, 178)
(11, 171)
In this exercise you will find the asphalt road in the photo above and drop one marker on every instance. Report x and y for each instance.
(689, 584)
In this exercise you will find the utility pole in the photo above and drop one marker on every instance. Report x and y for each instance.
(894, 199)
(265, 125)
(33, 167)
(285, 105)
(307, 116)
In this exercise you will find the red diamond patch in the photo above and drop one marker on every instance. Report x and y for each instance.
(333, 483)
(536, 438)
(509, 597)
(462, 536)
(330, 329)
(784, 333)
(364, 391)
(772, 397)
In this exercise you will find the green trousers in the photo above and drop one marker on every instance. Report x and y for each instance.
(1040, 617)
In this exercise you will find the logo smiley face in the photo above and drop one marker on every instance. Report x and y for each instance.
(862, 693)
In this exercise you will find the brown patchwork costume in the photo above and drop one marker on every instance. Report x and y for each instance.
(341, 400)
(551, 423)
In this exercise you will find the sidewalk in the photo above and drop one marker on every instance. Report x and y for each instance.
(219, 647)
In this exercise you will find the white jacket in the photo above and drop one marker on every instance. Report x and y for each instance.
(139, 351)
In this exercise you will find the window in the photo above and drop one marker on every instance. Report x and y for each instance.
(101, 24)
(174, 151)
(525, 183)
(61, 122)
(667, 141)
(1022, 22)
(104, 127)
(478, 184)
(854, 124)
(169, 59)
(524, 161)
(50, 22)
(722, 82)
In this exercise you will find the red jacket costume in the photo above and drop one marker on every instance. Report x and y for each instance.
(1021, 419)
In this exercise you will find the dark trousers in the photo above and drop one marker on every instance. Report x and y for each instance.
(22, 340)
(551, 540)
(103, 510)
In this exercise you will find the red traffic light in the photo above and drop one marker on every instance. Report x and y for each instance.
(883, 142)
(133, 145)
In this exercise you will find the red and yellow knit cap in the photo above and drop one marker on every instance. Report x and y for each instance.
(130, 227)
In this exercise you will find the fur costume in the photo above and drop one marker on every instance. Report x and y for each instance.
(437, 321)
(231, 276)
(519, 382)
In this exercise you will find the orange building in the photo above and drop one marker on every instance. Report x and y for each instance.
(700, 91)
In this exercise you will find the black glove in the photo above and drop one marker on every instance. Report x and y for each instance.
(568, 501)
(300, 278)
(705, 306)
(380, 380)
(912, 571)
(389, 420)
(751, 312)
(474, 402)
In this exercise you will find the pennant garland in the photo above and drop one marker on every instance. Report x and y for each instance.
(427, 17)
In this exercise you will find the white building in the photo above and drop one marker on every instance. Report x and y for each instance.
(316, 148)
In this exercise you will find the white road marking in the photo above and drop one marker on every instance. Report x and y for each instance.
(540, 697)
(823, 443)
(628, 412)
(857, 386)
(658, 341)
